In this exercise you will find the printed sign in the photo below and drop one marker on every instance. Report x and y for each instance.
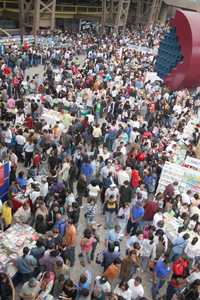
(188, 179)
(193, 163)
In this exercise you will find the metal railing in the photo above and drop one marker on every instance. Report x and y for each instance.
(61, 9)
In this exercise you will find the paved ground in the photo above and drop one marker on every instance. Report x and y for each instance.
(93, 267)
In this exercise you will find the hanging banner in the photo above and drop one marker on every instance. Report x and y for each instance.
(1, 175)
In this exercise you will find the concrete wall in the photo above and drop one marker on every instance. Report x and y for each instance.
(186, 4)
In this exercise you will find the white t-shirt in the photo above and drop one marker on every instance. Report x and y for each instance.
(106, 287)
(157, 218)
(186, 198)
(8, 136)
(122, 176)
(29, 147)
(20, 139)
(136, 291)
(93, 190)
(194, 276)
(125, 294)
(34, 195)
(134, 124)
(44, 188)
(13, 158)
(192, 251)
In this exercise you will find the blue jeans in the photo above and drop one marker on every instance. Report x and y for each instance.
(144, 262)
(97, 116)
(109, 219)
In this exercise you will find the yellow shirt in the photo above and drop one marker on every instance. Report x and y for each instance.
(7, 214)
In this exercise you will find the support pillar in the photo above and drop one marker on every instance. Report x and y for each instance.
(44, 8)
(122, 14)
(21, 20)
(139, 10)
(164, 13)
(115, 14)
(53, 15)
(155, 11)
(36, 18)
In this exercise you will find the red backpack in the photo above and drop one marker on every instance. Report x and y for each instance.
(180, 266)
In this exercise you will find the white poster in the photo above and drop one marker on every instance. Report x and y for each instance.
(152, 77)
(192, 162)
(188, 179)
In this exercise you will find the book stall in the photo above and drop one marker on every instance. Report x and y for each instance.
(12, 243)
(171, 225)
(187, 174)
(187, 178)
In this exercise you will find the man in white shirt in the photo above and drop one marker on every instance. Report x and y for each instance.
(94, 190)
(133, 136)
(195, 274)
(44, 187)
(122, 176)
(34, 194)
(103, 284)
(8, 137)
(112, 190)
(20, 139)
(137, 290)
(187, 197)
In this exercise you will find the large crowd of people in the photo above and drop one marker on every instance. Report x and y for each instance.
(99, 220)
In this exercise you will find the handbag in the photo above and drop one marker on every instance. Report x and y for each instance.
(121, 217)
(100, 258)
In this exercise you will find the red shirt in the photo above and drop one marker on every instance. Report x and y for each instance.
(151, 107)
(36, 160)
(135, 179)
(15, 81)
(150, 209)
(29, 122)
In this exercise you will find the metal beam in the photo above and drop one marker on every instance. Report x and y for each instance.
(122, 14)
(36, 19)
(115, 14)
(44, 7)
(193, 5)
(53, 15)
(139, 10)
(155, 11)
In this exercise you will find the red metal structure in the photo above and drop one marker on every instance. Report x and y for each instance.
(178, 61)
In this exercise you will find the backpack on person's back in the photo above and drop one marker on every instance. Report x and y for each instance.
(180, 267)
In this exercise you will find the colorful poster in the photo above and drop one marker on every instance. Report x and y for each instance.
(188, 179)
(180, 154)
(192, 162)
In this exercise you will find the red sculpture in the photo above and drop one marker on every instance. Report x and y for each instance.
(185, 73)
